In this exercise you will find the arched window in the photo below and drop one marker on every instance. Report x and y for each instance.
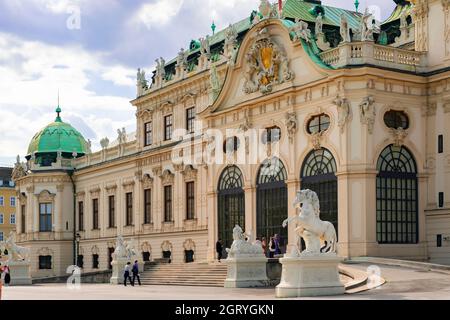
(318, 175)
(231, 204)
(397, 200)
(318, 123)
(271, 199)
(396, 119)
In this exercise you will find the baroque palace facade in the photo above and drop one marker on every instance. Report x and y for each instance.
(319, 98)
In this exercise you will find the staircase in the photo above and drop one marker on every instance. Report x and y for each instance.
(186, 274)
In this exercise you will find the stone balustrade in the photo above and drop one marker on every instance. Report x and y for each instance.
(369, 53)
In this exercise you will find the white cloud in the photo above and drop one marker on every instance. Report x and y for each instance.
(158, 13)
(31, 73)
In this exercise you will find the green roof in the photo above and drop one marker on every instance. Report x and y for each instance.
(293, 9)
(398, 11)
(58, 136)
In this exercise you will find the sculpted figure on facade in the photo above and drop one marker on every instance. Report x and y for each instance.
(319, 24)
(366, 28)
(15, 252)
(231, 42)
(266, 65)
(265, 8)
(161, 68)
(300, 31)
(314, 231)
(121, 136)
(316, 140)
(214, 82)
(345, 29)
(344, 111)
(291, 125)
(123, 250)
(368, 112)
(19, 170)
(104, 143)
(142, 83)
(242, 247)
(205, 47)
(182, 62)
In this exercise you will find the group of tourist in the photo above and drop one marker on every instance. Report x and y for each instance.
(270, 249)
(128, 270)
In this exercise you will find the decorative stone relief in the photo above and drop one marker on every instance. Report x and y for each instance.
(266, 65)
(167, 177)
(178, 167)
(45, 252)
(146, 247)
(300, 31)
(166, 246)
(147, 181)
(431, 163)
(145, 114)
(167, 107)
(19, 170)
(189, 173)
(446, 106)
(189, 245)
(291, 125)
(111, 188)
(215, 83)
(420, 16)
(95, 191)
(95, 250)
(398, 136)
(157, 171)
(231, 42)
(368, 113)
(46, 196)
(316, 140)
(30, 189)
(128, 185)
(321, 42)
(344, 111)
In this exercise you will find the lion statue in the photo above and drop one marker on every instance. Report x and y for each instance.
(310, 227)
(240, 246)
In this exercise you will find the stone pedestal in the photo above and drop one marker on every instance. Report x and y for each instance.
(310, 276)
(117, 270)
(246, 272)
(20, 273)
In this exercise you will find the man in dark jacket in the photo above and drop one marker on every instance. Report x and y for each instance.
(219, 249)
(135, 271)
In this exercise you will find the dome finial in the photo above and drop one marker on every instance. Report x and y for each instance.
(58, 111)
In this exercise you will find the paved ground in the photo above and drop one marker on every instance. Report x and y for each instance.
(402, 283)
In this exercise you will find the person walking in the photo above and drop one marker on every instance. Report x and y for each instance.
(6, 271)
(1, 280)
(276, 239)
(135, 271)
(126, 274)
(272, 247)
(219, 249)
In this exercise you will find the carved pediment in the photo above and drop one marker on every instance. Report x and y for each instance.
(266, 65)
(146, 114)
(166, 246)
(111, 188)
(147, 181)
(46, 196)
(167, 107)
(167, 177)
(189, 173)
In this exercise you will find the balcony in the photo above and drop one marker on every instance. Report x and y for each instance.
(369, 53)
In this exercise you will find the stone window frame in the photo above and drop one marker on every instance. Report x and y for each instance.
(190, 176)
(111, 190)
(46, 198)
(45, 252)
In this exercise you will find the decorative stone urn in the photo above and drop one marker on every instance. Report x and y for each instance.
(246, 263)
(313, 272)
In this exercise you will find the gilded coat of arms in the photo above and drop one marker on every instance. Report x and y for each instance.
(266, 65)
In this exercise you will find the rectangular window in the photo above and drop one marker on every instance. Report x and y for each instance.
(112, 211)
(147, 206)
(168, 127)
(190, 120)
(45, 262)
(440, 143)
(439, 240)
(80, 261)
(1, 235)
(12, 201)
(45, 217)
(148, 134)
(2, 200)
(129, 203)
(95, 214)
(12, 219)
(23, 217)
(190, 201)
(1, 218)
(441, 199)
(80, 216)
(95, 261)
(168, 204)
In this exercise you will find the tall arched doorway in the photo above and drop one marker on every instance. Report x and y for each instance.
(318, 175)
(231, 204)
(397, 197)
(271, 199)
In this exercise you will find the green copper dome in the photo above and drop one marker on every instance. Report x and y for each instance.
(57, 137)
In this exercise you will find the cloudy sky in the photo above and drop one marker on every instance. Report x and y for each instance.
(89, 50)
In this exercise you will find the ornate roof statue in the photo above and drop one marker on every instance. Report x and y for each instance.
(214, 82)
(205, 47)
(265, 8)
(367, 26)
(104, 143)
(182, 59)
(345, 29)
(19, 170)
(300, 31)
(319, 24)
